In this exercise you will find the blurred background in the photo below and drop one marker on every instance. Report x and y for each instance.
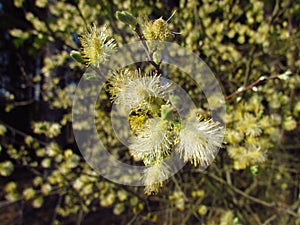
(250, 44)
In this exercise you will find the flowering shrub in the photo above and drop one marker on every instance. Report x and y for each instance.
(159, 131)
(252, 48)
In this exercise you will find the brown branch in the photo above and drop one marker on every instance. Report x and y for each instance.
(137, 29)
(59, 201)
(240, 192)
(252, 198)
(19, 103)
(255, 83)
(21, 133)
(269, 220)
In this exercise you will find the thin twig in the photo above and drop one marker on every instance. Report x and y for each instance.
(20, 103)
(4, 204)
(178, 187)
(269, 220)
(134, 217)
(259, 201)
(56, 208)
(79, 217)
(143, 40)
(81, 15)
(254, 84)
(248, 67)
(21, 133)
(252, 198)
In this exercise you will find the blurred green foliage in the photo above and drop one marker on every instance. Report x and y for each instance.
(255, 177)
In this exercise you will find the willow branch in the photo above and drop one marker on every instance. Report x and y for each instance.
(252, 198)
(21, 133)
(256, 83)
(143, 40)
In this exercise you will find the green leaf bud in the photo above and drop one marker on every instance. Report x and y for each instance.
(6, 168)
(126, 17)
(77, 56)
(89, 76)
(157, 57)
(166, 112)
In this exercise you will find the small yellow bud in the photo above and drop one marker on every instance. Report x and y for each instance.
(289, 124)
(97, 46)
(156, 30)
